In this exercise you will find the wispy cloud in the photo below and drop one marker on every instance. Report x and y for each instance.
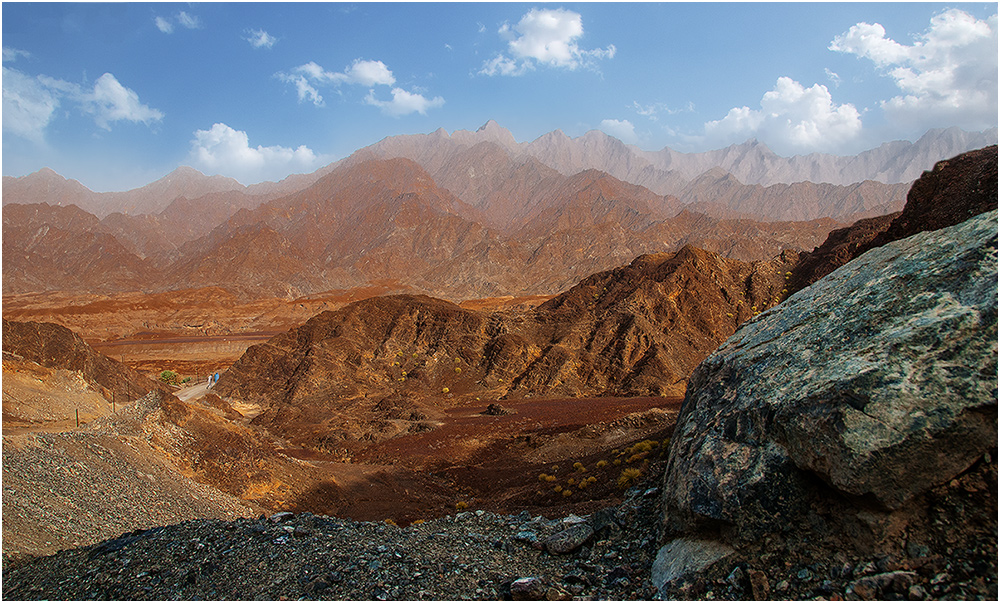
(546, 37)
(28, 105)
(188, 21)
(309, 77)
(948, 75)
(227, 151)
(654, 110)
(404, 103)
(305, 90)
(184, 19)
(12, 54)
(832, 76)
(259, 38)
(164, 25)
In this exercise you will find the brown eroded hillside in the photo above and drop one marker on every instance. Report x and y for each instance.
(954, 191)
(53, 346)
(381, 367)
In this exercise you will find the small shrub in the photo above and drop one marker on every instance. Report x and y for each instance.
(627, 477)
(579, 467)
(567, 493)
(602, 464)
(168, 376)
(557, 489)
(643, 446)
(591, 479)
(543, 477)
(390, 522)
(583, 484)
(571, 481)
(618, 462)
(461, 505)
(445, 390)
(458, 369)
(550, 478)
(417, 522)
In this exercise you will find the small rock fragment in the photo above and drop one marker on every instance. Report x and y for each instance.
(531, 588)
(569, 539)
(759, 585)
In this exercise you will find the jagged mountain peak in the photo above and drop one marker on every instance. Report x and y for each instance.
(491, 126)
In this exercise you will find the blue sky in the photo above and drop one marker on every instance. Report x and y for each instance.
(117, 95)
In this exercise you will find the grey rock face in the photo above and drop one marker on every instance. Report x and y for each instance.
(685, 555)
(881, 379)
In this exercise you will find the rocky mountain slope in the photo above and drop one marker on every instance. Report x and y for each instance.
(53, 346)
(892, 162)
(954, 191)
(664, 172)
(634, 331)
(667, 171)
(488, 169)
(719, 193)
(372, 221)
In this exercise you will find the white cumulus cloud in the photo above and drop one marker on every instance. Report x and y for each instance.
(544, 37)
(623, 130)
(404, 103)
(109, 101)
(948, 76)
(227, 151)
(259, 38)
(29, 103)
(791, 119)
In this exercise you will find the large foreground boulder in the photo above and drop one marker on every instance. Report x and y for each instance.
(875, 384)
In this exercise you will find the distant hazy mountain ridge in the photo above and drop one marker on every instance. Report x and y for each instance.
(467, 214)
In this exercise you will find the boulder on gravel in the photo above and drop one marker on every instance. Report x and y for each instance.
(685, 555)
(880, 379)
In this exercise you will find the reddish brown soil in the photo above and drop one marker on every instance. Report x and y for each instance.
(494, 462)
(469, 437)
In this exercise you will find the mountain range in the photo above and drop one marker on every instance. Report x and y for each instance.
(470, 214)
(381, 220)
